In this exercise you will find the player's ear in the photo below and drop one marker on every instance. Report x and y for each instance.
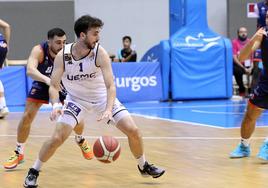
(82, 35)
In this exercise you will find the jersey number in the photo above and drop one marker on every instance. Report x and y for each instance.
(81, 67)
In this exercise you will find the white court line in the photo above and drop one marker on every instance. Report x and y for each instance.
(212, 112)
(190, 123)
(227, 113)
(153, 137)
(263, 126)
(184, 107)
(178, 121)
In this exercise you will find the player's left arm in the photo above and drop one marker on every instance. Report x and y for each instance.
(6, 28)
(54, 87)
(104, 62)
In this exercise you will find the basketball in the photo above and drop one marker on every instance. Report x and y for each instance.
(106, 149)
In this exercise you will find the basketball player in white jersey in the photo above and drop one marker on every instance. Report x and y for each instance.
(86, 72)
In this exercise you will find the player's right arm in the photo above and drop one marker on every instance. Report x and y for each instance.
(54, 87)
(252, 45)
(35, 57)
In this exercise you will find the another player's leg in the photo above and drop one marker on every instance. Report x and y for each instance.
(247, 129)
(128, 127)
(23, 132)
(61, 133)
(82, 142)
(263, 153)
(3, 107)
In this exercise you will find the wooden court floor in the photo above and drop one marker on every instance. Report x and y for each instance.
(193, 156)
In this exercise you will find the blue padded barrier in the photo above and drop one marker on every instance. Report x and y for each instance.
(199, 62)
(176, 16)
(165, 66)
(14, 82)
(161, 53)
(196, 62)
(229, 67)
(29, 83)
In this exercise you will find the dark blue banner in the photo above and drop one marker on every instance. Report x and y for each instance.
(140, 81)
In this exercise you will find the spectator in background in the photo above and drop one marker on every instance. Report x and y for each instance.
(260, 10)
(240, 68)
(4, 42)
(127, 54)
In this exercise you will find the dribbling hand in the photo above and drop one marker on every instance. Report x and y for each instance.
(105, 115)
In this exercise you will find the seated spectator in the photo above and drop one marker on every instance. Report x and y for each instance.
(240, 68)
(126, 54)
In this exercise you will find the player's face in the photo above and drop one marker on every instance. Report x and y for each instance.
(126, 43)
(92, 37)
(57, 43)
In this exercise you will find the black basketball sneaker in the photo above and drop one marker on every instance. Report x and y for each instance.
(151, 170)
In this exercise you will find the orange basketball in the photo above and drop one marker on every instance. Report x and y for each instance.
(106, 149)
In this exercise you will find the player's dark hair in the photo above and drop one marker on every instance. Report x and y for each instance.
(85, 23)
(55, 32)
(126, 37)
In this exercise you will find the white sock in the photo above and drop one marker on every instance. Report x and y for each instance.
(245, 142)
(78, 138)
(1, 87)
(141, 161)
(37, 165)
(20, 148)
(266, 139)
(2, 98)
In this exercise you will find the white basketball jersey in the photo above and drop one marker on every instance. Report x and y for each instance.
(82, 79)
